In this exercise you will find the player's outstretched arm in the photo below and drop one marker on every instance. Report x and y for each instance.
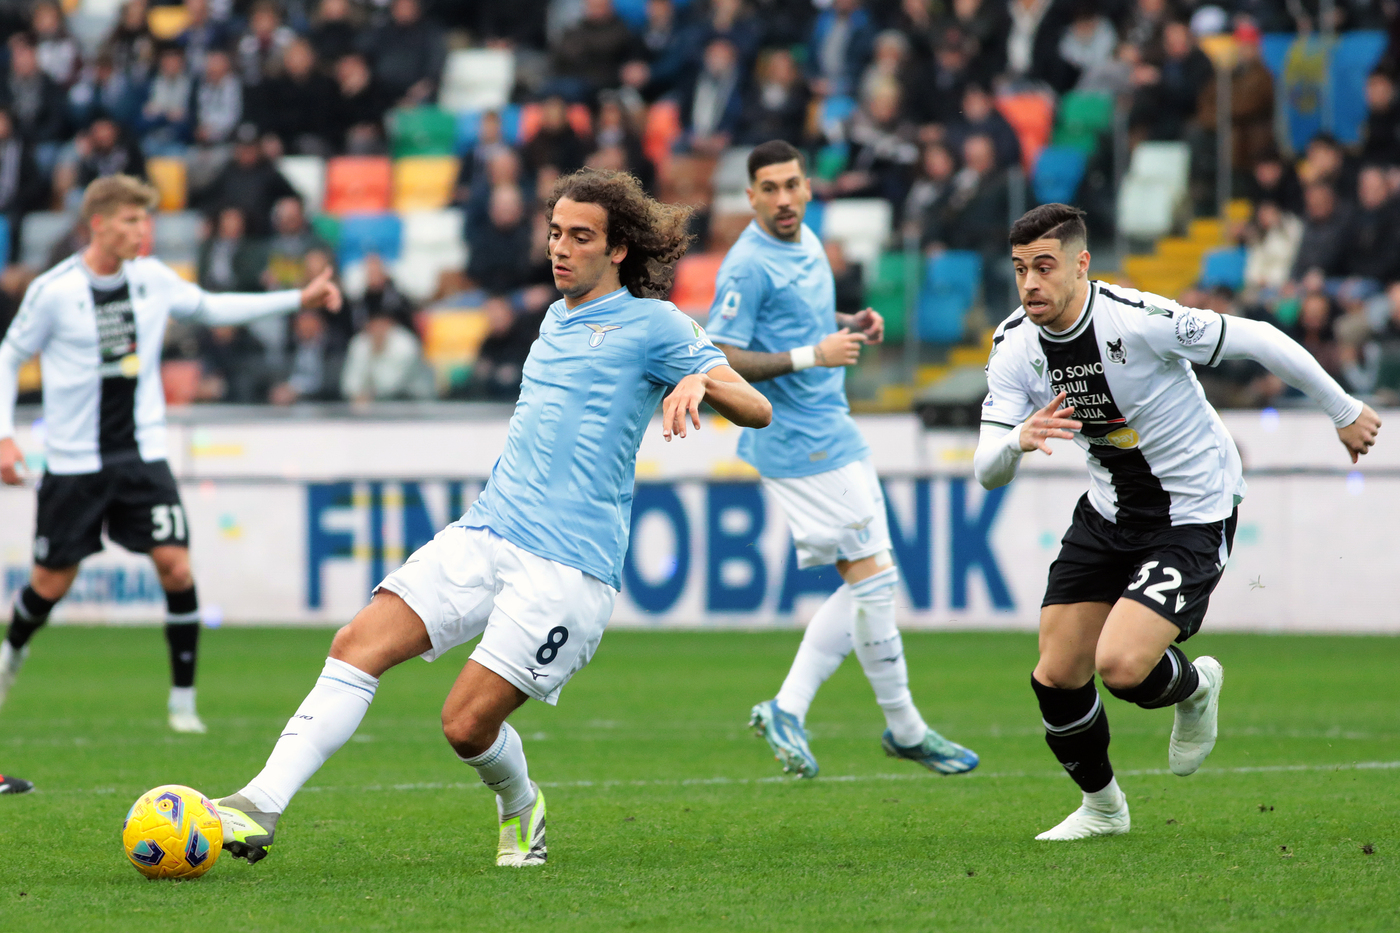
(722, 389)
(839, 349)
(999, 451)
(1357, 424)
(233, 308)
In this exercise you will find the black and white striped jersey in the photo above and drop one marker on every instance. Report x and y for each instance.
(99, 340)
(1158, 453)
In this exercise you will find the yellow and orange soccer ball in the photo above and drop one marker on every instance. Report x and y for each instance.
(173, 831)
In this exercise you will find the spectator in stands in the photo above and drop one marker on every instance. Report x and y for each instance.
(1372, 252)
(589, 56)
(1169, 93)
(1326, 233)
(1090, 42)
(616, 131)
(165, 118)
(248, 182)
(314, 371)
(668, 46)
(357, 109)
(103, 88)
(381, 298)
(56, 50)
(776, 105)
(292, 239)
(1114, 76)
(1251, 102)
(503, 170)
(728, 19)
(407, 54)
(218, 100)
(500, 361)
(1387, 347)
(385, 363)
(500, 251)
(883, 150)
(915, 20)
(201, 34)
(1271, 249)
(1326, 162)
(228, 260)
(35, 100)
(848, 276)
(104, 150)
(1033, 43)
(130, 43)
(261, 48)
(980, 118)
(1314, 329)
(1145, 25)
(931, 185)
(475, 160)
(974, 213)
(941, 101)
(840, 46)
(1381, 133)
(22, 188)
(233, 366)
(556, 142)
(333, 32)
(980, 28)
(296, 105)
(14, 281)
(519, 24)
(891, 61)
(712, 107)
(1273, 179)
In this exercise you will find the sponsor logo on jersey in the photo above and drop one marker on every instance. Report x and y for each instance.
(987, 402)
(1116, 353)
(729, 308)
(1039, 366)
(1153, 310)
(130, 365)
(600, 331)
(1191, 328)
(1123, 439)
(702, 339)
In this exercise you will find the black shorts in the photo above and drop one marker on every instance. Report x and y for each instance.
(1170, 570)
(138, 503)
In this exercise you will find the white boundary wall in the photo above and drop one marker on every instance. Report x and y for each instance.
(294, 521)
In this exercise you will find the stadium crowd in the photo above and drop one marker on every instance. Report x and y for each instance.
(893, 99)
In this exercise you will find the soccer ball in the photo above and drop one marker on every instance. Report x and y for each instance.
(173, 831)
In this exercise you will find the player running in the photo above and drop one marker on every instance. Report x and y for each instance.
(98, 320)
(1110, 368)
(775, 319)
(535, 564)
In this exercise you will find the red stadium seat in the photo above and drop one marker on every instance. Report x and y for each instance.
(181, 381)
(1032, 116)
(662, 130)
(694, 289)
(359, 185)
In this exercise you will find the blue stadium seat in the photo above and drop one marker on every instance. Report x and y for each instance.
(468, 129)
(951, 281)
(5, 238)
(1223, 267)
(813, 217)
(632, 12)
(1058, 172)
(510, 124)
(362, 234)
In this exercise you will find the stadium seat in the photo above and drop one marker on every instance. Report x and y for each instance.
(307, 174)
(453, 336)
(531, 115)
(168, 175)
(861, 224)
(5, 236)
(732, 171)
(1084, 117)
(327, 227)
(1223, 267)
(663, 128)
(633, 13)
(884, 290)
(1153, 189)
(694, 288)
(180, 379)
(424, 183)
(510, 124)
(831, 161)
(477, 79)
(167, 22)
(834, 112)
(816, 211)
(358, 185)
(951, 283)
(422, 131)
(432, 229)
(362, 234)
(40, 233)
(1058, 172)
(432, 245)
(1032, 116)
(177, 235)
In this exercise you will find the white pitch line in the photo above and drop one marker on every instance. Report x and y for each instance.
(775, 779)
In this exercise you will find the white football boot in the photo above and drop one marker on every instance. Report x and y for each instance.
(1194, 731)
(183, 717)
(10, 663)
(1090, 820)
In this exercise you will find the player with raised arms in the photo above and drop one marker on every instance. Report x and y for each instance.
(775, 319)
(535, 564)
(1110, 368)
(98, 319)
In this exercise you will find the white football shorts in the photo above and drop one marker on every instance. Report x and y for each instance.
(539, 620)
(836, 515)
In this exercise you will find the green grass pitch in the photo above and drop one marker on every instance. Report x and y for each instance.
(667, 814)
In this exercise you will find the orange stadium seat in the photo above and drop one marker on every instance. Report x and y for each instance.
(359, 185)
(424, 183)
(1032, 116)
(694, 290)
(662, 130)
(181, 381)
(168, 175)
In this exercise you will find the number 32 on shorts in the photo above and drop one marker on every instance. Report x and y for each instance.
(1157, 592)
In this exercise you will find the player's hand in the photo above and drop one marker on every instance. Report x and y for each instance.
(840, 349)
(683, 402)
(871, 323)
(321, 292)
(11, 463)
(1050, 421)
(1358, 437)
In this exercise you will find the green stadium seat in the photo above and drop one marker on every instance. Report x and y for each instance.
(422, 131)
(1084, 117)
(884, 291)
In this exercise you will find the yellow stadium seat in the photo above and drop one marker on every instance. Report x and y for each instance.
(453, 336)
(168, 175)
(424, 183)
(185, 270)
(167, 22)
(30, 377)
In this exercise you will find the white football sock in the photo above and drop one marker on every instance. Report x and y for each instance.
(881, 652)
(824, 646)
(1108, 800)
(503, 769)
(326, 719)
(181, 700)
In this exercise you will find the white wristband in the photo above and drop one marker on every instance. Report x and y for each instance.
(803, 358)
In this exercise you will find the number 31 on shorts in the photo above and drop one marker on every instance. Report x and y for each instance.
(168, 521)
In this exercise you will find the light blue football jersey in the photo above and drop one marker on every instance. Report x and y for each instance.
(562, 489)
(774, 296)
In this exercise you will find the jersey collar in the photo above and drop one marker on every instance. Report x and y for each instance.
(1080, 325)
(592, 304)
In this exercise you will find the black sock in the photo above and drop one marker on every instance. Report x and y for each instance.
(30, 614)
(182, 635)
(1076, 729)
(1171, 681)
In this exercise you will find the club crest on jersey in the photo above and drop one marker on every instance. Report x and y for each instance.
(1191, 328)
(862, 530)
(1039, 366)
(595, 340)
(1116, 353)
